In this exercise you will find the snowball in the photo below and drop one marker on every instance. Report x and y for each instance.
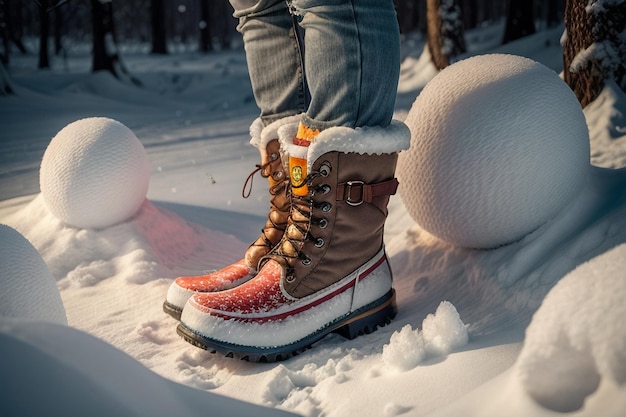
(441, 333)
(577, 336)
(499, 145)
(444, 331)
(27, 289)
(405, 349)
(94, 173)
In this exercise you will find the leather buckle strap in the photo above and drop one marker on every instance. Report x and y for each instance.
(356, 193)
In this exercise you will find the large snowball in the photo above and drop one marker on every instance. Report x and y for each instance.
(499, 145)
(94, 173)
(27, 289)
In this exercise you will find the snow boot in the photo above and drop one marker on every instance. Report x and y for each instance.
(329, 273)
(273, 168)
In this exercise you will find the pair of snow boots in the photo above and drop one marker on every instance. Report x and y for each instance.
(319, 264)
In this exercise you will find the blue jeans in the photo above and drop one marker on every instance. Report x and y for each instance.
(341, 71)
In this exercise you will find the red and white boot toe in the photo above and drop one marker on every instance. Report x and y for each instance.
(265, 139)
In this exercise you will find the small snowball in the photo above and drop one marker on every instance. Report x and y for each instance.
(406, 349)
(444, 331)
(94, 173)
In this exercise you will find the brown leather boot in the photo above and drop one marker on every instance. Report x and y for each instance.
(329, 273)
(272, 168)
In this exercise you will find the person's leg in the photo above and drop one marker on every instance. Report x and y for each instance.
(274, 63)
(274, 57)
(352, 61)
(329, 273)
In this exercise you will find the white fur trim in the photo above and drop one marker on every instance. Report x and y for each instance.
(363, 140)
(286, 133)
(255, 132)
(270, 132)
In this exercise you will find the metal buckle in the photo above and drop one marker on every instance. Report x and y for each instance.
(348, 193)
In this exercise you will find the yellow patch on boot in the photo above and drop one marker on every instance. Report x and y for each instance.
(298, 173)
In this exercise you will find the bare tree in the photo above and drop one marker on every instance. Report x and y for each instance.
(159, 35)
(4, 32)
(105, 53)
(445, 31)
(58, 28)
(520, 22)
(5, 82)
(594, 48)
(14, 23)
(44, 31)
(206, 37)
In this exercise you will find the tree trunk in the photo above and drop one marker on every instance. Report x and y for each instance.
(5, 83)
(58, 30)
(470, 14)
(593, 49)
(519, 20)
(105, 54)
(553, 13)
(14, 22)
(206, 38)
(159, 37)
(44, 32)
(4, 32)
(445, 31)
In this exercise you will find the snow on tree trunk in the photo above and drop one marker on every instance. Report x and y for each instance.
(594, 46)
(445, 31)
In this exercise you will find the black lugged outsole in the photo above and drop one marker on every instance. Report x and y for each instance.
(362, 321)
(172, 310)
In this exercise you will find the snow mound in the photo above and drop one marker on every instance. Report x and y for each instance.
(441, 333)
(94, 173)
(27, 289)
(499, 147)
(70, 373)
(576, 339)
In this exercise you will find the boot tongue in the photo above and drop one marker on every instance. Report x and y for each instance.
(297, 160)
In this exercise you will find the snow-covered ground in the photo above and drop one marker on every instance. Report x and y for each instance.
(543, 314)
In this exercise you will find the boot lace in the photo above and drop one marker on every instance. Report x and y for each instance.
(298, 232)
(275, 189)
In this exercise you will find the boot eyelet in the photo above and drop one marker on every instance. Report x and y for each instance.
(325, 189)
(277, 175)
(322, 224)
(319, 242)
(326, 207)
(273, 156)
(290, 278)
(306, 261)
(325, 169)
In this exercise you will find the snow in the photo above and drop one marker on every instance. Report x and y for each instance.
(568, 350)
(120, 355)
(442, 332)
(28, 288)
